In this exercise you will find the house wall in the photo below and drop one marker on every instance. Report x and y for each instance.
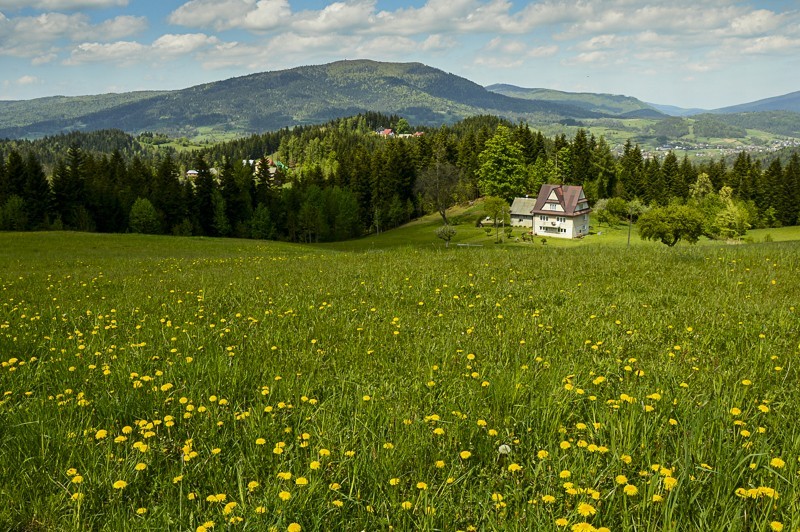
(521, 220)
(559, 226)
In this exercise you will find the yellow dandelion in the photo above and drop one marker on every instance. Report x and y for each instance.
(777, 463)
(422, 486)
(630, 490)
(621, 479)
(119, 485)
(285, 495)
(586, 509)
(301, 481)
(464, 455)
(561, 522)
(294, 527)
(514, 468)
(406, 505)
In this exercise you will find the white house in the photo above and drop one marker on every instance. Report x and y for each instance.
(560, 211)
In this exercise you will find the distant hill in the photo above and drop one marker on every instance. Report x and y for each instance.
(787, 102)
(611, 104)
(672, 110)
(272, 100)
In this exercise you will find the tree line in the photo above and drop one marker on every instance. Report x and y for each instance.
(341, 180)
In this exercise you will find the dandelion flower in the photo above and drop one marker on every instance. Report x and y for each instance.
(301, 481)
(514, 468)
(541, 455)
(621, 479)
(630, 490)
(406, 505)
(776, 526)
(120, 484)
(777, 463)
(464, 455)
(294, 527)
(586, 509)
(583, 527)
(504, 449)
(561, 522)
(285, 495)
(422, 486)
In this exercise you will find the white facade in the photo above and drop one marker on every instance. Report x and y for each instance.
(560, 226)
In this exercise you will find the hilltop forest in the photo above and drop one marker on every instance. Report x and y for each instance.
(341, 180)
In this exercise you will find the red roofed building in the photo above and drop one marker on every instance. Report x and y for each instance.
(560, 211)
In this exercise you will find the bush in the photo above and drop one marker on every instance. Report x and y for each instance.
(144, 218)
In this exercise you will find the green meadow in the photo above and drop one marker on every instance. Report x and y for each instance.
(390, 383)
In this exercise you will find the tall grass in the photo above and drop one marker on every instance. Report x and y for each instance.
(486, 388)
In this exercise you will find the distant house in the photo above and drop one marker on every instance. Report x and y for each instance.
(560, 211)
(191, 174)
(522, 212)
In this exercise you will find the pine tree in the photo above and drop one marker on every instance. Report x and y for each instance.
(37, 194)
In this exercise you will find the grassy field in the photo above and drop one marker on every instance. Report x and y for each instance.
(164, 383)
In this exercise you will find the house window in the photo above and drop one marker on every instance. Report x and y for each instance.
(543, 217)
(561, 219)
(553, 206)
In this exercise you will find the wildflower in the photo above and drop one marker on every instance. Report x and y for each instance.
(548, 499)
(565, 474)
(670, 482)
(77, 479)
(394, 481)
(406, 505)
(140, 466)
(541, 455)
(586, 509)
(777, 463)
(301, 481)
(561, 522)
(621, 479)
(439, 464)
(626, 458)
(294, 527)
(776, 526)
(422, 486)
(284, 475)
(504, 449)
(252, 485)
(77, 496)
(120, 484)
(514, 468)
(630, 490)
(464, 455)
(314, 465)
(582, 527)
(285, 495)
(100, 434)
(658, 498)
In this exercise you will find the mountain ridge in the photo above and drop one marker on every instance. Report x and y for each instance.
(314, 94)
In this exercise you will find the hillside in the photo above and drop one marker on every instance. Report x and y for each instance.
(786, 102)
(272, 100)
(613, 104)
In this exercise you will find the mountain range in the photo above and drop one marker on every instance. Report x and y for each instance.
(316, 94)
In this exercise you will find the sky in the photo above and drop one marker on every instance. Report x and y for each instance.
(689, 53)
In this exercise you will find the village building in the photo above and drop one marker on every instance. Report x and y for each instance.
(560, 211)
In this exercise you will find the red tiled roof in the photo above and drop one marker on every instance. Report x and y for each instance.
(568, 197)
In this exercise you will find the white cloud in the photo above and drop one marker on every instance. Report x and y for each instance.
(755, 23)
(175, 45)
(771, 44)
(228, 14)
(268, 15)
(119, 27)
(123, 53)
(338, 17)
(120, 53)
(28, 80)
(39, 36)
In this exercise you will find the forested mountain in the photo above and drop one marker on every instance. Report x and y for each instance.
(611, 104)
(272, 100)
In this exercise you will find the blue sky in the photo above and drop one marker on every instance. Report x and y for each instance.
(689, 53)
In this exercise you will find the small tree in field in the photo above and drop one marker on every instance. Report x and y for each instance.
(671, 224)
(446, 233)
(144, 218)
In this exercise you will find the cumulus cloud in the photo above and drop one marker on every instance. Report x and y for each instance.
(228, 14)
(37, 36)
(338, 17)
(123, 53)
(28, 80)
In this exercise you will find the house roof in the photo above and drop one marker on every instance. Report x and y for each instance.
(522, 206)
(571, 198)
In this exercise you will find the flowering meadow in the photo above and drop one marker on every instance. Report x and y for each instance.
(157, 383)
